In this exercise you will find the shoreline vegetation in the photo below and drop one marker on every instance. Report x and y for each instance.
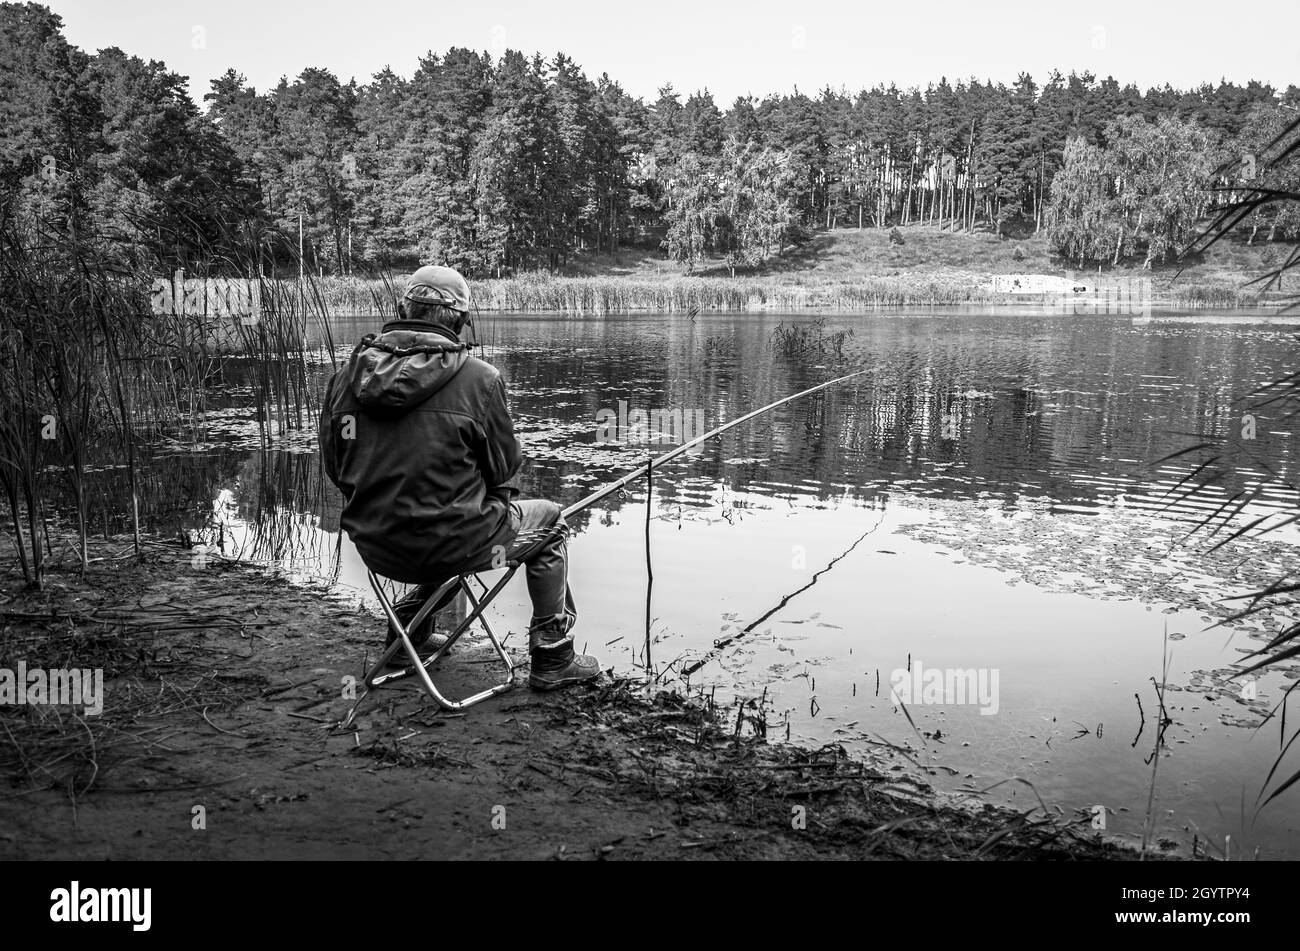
(582, 296)
(847, 270)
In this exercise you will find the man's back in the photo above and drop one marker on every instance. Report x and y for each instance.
(417, 435)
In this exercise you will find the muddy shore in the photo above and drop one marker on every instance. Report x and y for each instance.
(223, 687)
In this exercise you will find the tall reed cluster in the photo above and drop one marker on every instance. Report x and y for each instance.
(811, 339)
(97, 363)
(537, 292)
(273, 345)
(76, 375)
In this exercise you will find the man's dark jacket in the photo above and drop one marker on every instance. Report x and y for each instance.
(417, 435)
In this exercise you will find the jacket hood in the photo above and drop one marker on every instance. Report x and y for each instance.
(405, 365)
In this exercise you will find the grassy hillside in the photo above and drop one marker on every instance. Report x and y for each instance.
(849, 254)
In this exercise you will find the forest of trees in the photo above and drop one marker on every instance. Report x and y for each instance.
(500, 165)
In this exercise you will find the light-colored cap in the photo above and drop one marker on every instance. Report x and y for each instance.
(435, 284)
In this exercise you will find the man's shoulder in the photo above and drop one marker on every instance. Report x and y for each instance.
(481, 372)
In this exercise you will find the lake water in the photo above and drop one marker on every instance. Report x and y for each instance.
(985, 498)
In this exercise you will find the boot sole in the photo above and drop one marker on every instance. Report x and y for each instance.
(545, 685)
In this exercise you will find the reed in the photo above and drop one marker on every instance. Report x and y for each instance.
(1212, 295)
(810, 339)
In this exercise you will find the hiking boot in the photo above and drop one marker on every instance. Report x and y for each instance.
(425, 641)
(423, 638)
(555, 664)
(425, 648)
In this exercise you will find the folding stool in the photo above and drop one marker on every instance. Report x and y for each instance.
(441, 596)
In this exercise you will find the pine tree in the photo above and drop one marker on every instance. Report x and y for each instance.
(451, 100)
(701, 125)
(621, 140)
(741, 121)
(51, 124)
(509, 166)
(572, 178)
(382, 119)
(665, 132)
(1007, 151)
(163, 176)
(314, 136)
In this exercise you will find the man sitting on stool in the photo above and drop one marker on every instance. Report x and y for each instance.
(416, 434)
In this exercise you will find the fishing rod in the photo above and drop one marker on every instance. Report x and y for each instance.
(635, 474)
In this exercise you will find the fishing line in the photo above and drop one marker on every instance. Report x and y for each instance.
(472, 324)
(726, 642)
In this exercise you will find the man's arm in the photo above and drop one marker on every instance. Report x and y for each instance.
(325, 435)
(501, 454)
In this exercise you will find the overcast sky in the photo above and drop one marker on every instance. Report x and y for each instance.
(732, 48)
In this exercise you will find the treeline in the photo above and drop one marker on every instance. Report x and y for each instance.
(516, 163)
(107, 152)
